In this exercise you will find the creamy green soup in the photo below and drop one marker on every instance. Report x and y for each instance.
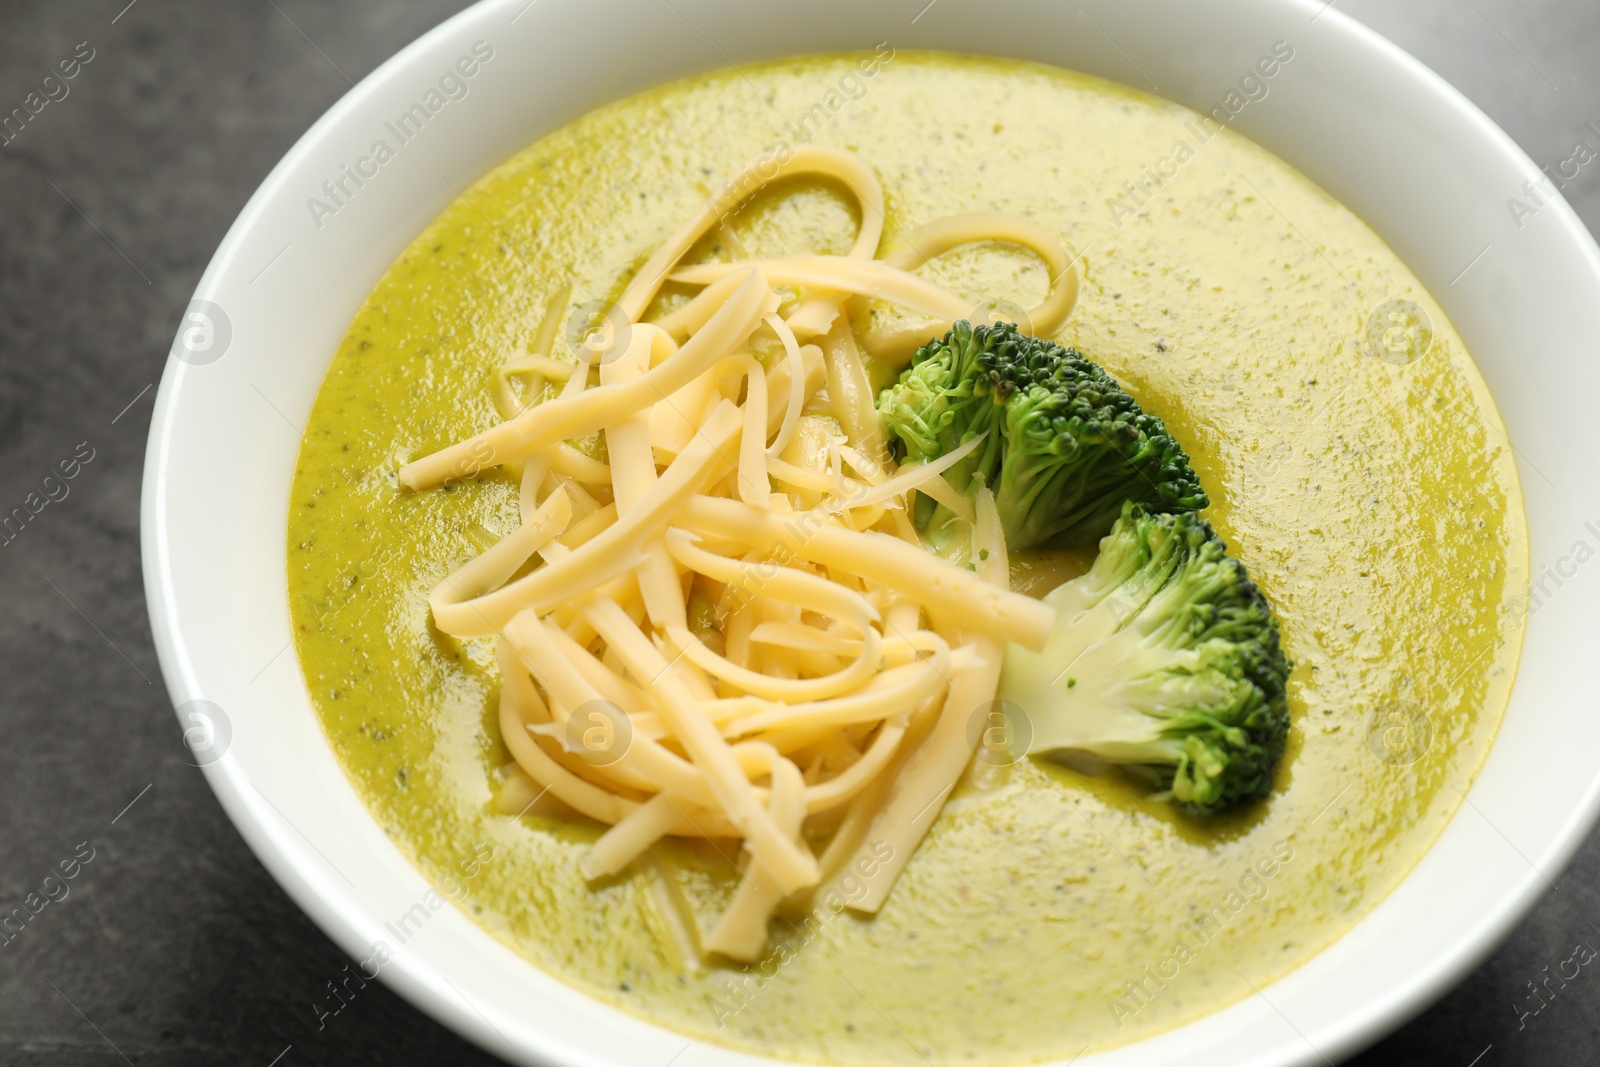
(1355, 462)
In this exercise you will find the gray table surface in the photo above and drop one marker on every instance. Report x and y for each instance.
(174, 946)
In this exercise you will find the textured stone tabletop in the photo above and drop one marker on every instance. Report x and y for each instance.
(172, 945)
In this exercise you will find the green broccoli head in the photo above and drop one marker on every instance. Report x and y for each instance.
(1066, 445)
(1165, 659)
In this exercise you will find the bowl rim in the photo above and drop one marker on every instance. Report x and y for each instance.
(295, 868)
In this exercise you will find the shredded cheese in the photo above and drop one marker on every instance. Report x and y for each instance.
(727, 625)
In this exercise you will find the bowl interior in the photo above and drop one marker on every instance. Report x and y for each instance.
(1359, 117)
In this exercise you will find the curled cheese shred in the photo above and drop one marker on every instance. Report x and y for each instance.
(723, 625)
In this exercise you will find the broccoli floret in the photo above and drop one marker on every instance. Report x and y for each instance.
(1165, 659)
(1066, 446)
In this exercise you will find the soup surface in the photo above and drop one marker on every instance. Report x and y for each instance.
(1355, 464)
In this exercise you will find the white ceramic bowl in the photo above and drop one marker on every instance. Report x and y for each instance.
(1376, 129)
